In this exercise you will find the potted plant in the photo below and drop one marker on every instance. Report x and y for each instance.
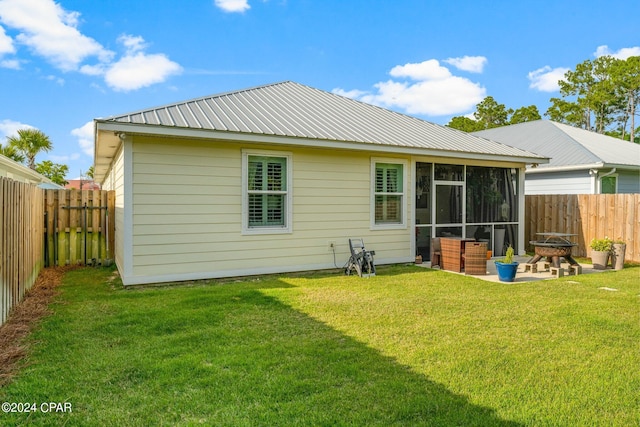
(600, 251)
(507, 267)
(618, 248)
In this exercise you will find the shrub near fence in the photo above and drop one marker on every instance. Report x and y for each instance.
(588, 216)
(21, 249)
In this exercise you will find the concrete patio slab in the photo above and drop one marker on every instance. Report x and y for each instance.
(521, 275)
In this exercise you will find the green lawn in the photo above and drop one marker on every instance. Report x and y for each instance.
(411, 346)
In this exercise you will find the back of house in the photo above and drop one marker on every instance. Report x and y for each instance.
(277, 178)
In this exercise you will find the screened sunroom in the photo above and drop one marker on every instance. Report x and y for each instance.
(477, 202)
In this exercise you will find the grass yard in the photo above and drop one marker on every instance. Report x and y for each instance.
(410, 346)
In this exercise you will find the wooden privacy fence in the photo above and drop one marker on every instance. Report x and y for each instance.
(21, 249)
(589, 216)
(79, 227)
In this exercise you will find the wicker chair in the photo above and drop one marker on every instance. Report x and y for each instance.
(475, 258)
(436, 252)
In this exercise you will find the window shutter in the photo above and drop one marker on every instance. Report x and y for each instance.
(267, 188)
(388, 193)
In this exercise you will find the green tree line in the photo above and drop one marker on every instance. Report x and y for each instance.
(600, 95)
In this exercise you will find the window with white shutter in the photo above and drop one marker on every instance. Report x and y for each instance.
(266, 195)
(388, 194)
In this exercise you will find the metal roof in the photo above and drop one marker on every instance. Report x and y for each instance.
(292, 110)
(567, 146)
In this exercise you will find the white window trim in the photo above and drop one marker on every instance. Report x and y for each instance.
(288, 228)
(372, 197)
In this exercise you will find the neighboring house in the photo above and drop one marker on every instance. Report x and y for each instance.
(276, 178)
(19, 172)
(582, 162)
(82, 184)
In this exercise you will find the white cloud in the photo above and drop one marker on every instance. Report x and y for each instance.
(6, 43)
(85, 138)
(11, 127)
(10, 63)
(434, 91)
(51, 32)
(132, 43)
(7, 47)
(623, 53)
(232, 5)
(354, 94)
(140, 70)
(472, 64)
(546, 79)
(427, 70)
(136, 69)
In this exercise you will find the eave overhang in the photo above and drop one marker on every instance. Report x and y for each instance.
(109, 136)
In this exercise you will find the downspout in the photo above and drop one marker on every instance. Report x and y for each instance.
(593, 173)
(599, 179)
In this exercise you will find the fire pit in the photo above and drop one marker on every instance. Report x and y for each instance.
(553, 247)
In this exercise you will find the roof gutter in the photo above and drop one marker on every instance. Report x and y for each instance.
(535, 169)
(597, 180)
(611, 172)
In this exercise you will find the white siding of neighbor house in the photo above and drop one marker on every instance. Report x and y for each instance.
(187, 219)
(578, 182)
(18, 172)
(570, 182)
(628, 181)
(115, 181)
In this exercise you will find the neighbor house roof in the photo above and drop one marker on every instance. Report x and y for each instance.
(567, 147)
(19, 172)
(291, 113)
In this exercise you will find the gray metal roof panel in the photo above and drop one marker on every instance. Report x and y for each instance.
(566, 145)
(606, 148)
(293, 110)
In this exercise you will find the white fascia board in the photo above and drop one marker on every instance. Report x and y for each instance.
(306, 142)
(565, 168)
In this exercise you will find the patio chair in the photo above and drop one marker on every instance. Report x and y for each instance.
(475, 258)
(361, 260)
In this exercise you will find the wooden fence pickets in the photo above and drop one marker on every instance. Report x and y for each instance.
(21, 249)
(46, 228)
(79, 227)
(588, 216)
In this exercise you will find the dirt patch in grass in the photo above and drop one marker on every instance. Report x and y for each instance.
(24, 317)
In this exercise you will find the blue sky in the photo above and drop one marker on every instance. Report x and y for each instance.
(64, 63)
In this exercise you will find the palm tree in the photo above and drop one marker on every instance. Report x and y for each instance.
(11, 152)
(30, 142)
